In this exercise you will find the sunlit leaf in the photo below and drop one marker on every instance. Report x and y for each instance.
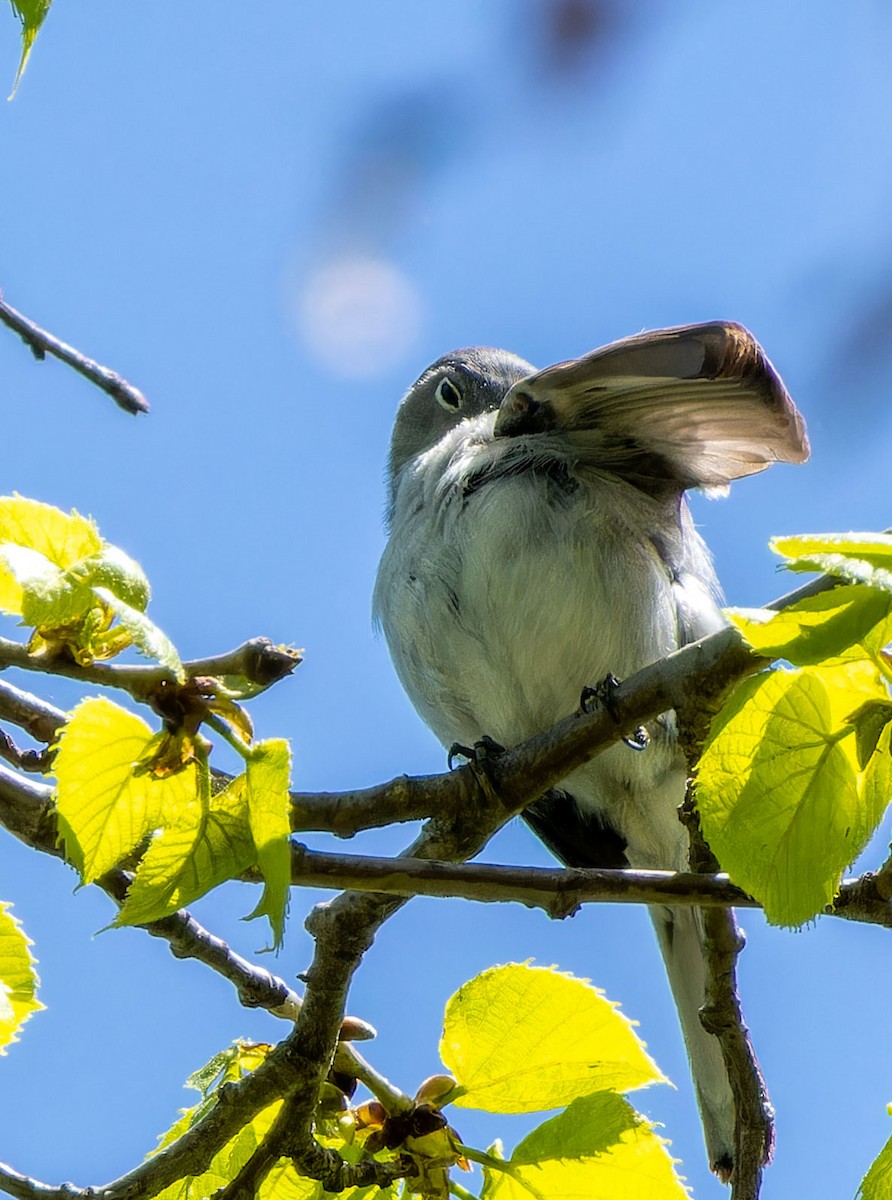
(205, 847)
(860, 557)
(227, 1162)
(32, 14)
(63, 538)
(105, 810)
(18, 979)
(876, 788)
(877, 1183)
(144, 633)
(599, 1148)
(227, 1066)
(117, 572)
(848, 622)
(36, 589)
(268, 780)
(524, 1039)
(779, 792)
(283, 1183)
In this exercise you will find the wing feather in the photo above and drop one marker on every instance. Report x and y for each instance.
(694, 406)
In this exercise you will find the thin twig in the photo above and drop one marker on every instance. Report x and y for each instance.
(41, 343)
(36, 762)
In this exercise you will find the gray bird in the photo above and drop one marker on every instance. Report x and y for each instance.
(539, 541)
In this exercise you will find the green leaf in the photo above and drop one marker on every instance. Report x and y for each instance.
(206, 846)
(850, 622)
(869, 721)
(144, 633)
(779, 792)
(105, 810)
(63, 538)
(598, 1148)
(227, 1066)
(877, 1183)
(227, 1162)
(269, 807)
(115, 571)
(282, 1183)
(18, 979)
(36, 589)
(523, 1039)
(32, 14)
(877, 783)
(860, 557)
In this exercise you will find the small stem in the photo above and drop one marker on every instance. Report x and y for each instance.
(223, 728)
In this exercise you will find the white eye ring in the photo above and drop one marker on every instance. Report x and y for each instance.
(448, 395)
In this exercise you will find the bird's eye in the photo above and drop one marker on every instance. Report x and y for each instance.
(448, 395)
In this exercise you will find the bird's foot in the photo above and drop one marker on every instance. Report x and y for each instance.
(486, 748)
(603, 695)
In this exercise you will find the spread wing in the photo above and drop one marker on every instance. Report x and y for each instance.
(693, 406)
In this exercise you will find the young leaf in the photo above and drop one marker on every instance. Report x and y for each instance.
(18, 979)
(63, 538)
(32, 14)
(522, 1039)
(778, 789)
(105, 810)
(36, 589)
(850, 622)
(269, 806)
(227, 1066)
(876, 787)
(599, 1148)
(877, 1183)
(206, 846)
(117, 572)
(860, 557)
(143, 633)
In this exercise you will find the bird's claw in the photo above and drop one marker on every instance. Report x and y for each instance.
(603, 695)
(486, 748)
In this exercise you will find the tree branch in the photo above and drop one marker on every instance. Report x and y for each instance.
(258, 661)
(41, 343)
(37, 717)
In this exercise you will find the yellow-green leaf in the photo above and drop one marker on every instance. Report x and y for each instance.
(877, 1183)
(599, 1148)
(520, 1038)
(205, 847)
(61, 537)
(848, 622)
(18, 979)
(860, 557)
(105, 810)
(117, 572)
(779, 792)
(269, 805)
(30, 584)
(32, 14)
(144, 634)
(227, 1066)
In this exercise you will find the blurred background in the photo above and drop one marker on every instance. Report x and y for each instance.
(271, 221)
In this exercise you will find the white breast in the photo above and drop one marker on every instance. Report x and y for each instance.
(502, 602)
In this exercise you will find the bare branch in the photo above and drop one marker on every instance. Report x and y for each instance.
(37, 717)
(41, 343)
(558, 891)
(258, 661)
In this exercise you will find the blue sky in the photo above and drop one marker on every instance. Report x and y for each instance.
(206, 201)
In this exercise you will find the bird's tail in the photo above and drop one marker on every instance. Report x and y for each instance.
(680, 935)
